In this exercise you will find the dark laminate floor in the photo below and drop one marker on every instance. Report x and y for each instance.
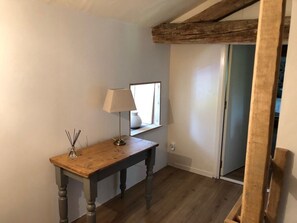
(178, 196)
(236, 174)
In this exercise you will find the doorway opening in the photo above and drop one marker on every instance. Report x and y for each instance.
(237, 106)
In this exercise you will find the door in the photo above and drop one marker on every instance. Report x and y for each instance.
(240, 73)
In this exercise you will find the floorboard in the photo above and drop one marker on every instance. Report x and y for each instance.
(236, 174)
(178, 197)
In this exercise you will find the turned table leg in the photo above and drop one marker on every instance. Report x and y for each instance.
(90, 191)
(149, 162)
(62, 182)
(123, 177)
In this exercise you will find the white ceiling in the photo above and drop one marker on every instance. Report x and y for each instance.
(142, 12)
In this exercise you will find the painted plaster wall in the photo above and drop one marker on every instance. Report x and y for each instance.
(287, 130)
(55, 67)
(196, 76)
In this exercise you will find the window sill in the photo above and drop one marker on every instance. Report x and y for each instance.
(134, 132)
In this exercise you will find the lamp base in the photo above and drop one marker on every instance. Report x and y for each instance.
(119, 142)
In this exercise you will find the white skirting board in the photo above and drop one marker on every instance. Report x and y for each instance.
(192, 169)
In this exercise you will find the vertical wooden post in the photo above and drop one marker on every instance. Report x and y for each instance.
(268, 48)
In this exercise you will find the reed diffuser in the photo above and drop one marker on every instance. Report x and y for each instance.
(72, 153)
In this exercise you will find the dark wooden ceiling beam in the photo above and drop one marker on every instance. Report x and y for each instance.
(239, 31)
(221, 10)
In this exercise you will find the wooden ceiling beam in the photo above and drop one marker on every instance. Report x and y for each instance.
(221, 10)
(239, 31)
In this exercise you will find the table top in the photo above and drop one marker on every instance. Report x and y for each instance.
(101, 155)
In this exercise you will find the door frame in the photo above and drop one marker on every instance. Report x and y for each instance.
(223, 90)
(225, 116)
(221, 108)
(225, 112)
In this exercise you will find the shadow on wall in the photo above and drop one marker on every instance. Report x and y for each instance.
(290, 185)
(170, 119)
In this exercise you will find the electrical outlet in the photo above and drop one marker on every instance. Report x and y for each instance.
(172, 147)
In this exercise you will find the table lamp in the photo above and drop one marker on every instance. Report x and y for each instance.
(119, 100)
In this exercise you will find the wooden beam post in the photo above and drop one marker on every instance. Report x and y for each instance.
(268, 48)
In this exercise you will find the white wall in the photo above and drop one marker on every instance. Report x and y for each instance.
(196, 92)
(55, 67)
(287, 131)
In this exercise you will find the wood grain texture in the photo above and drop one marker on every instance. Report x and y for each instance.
(100, 156)
(221, 10)
(179, 196)
(266, 68)
(227, 32)
(278, 168)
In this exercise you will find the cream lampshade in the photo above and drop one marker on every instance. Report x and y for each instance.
(119, 100)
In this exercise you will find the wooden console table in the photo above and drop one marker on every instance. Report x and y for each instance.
(98, 162)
